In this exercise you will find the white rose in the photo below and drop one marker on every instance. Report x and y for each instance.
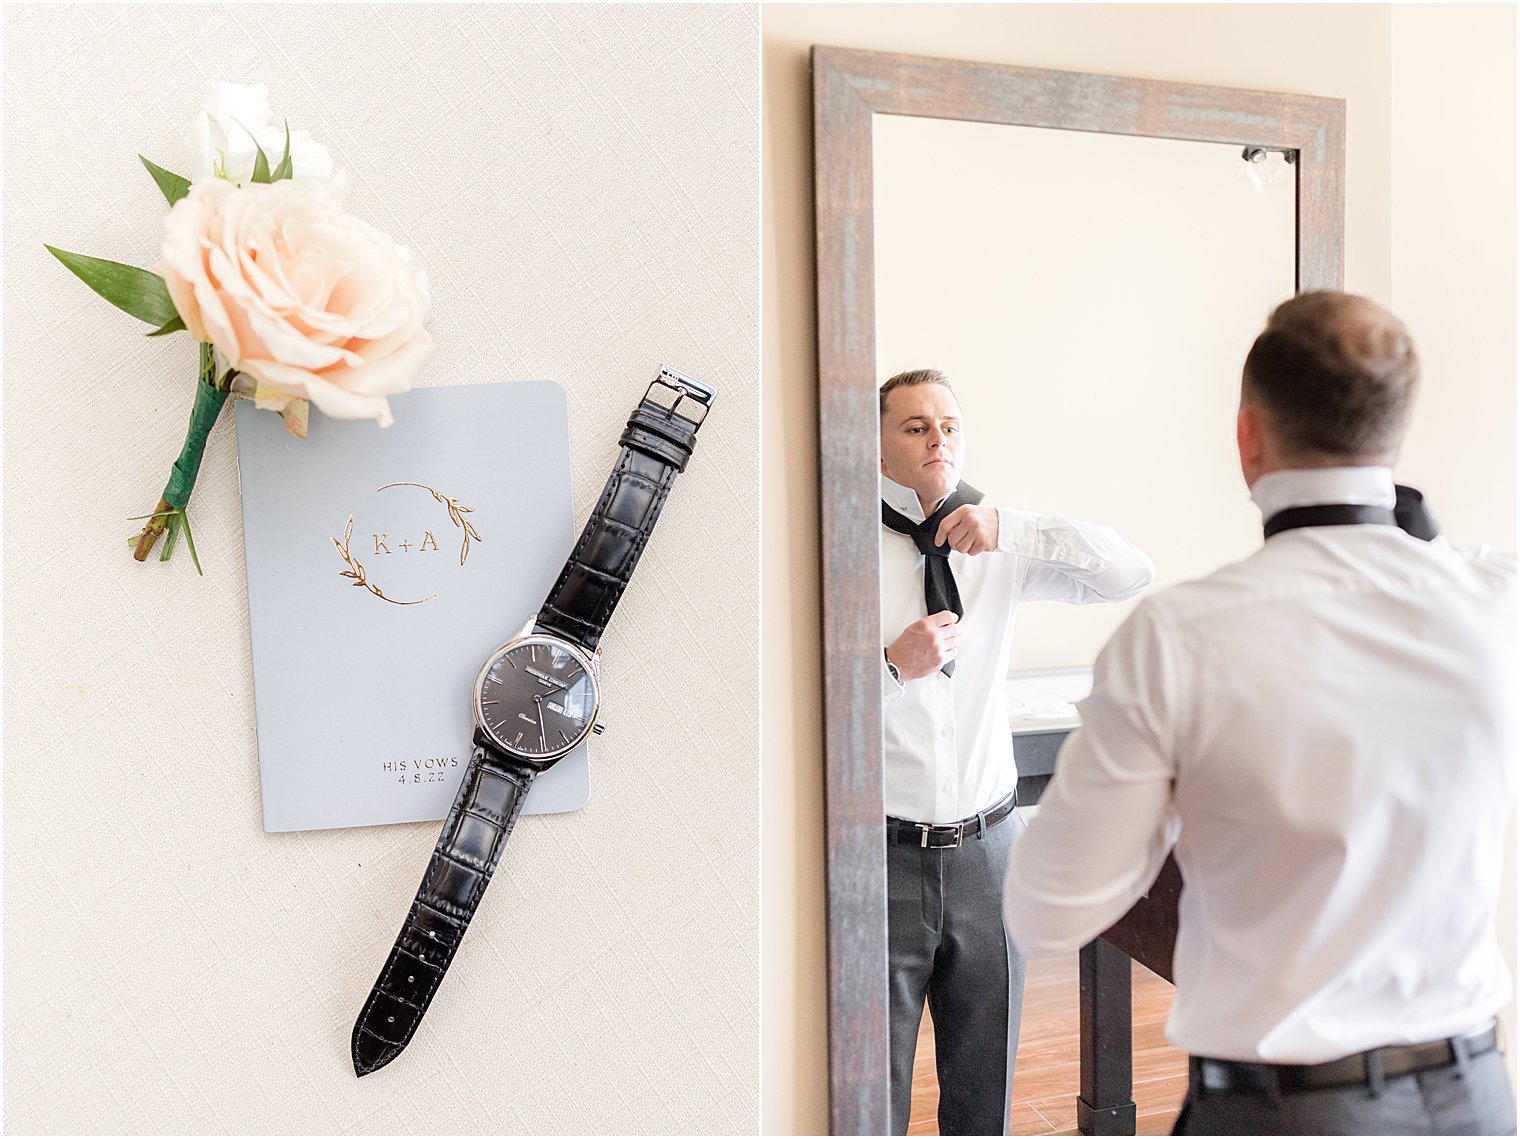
(308, 301)
(221, 141)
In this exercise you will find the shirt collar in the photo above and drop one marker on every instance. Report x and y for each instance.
(1313, 486)
(901, 499)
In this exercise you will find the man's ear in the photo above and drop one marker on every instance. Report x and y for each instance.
(1250, 440)
(884, 466)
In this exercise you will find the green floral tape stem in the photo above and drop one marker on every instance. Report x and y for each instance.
(208, 405)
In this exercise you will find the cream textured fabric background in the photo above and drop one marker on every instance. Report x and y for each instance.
(581, 183)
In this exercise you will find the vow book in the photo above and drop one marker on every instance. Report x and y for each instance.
(384, 566)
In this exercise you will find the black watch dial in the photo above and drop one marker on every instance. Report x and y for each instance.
(537, 699)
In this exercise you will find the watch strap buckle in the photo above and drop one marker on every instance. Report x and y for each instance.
(682, 395)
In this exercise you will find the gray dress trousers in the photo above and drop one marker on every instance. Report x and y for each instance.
(946, 944)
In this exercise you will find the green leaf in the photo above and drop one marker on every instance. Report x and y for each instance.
(285, 169)
(260, 165)
(173, 186)
(175, 325)
(135, 291)
(171, 535)
(190, 541)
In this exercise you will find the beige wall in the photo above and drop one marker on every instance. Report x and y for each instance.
(1429, 229)
(1453, 244)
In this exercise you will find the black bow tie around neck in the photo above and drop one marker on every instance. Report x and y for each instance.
(1409, 514)
(940, 592)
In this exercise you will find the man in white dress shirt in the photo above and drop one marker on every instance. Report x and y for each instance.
(950, 773)
(1326, 731)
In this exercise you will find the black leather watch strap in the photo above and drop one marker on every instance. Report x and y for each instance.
(655, 447)
(489, 800)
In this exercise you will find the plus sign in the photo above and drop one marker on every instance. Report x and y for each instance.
(405, 545)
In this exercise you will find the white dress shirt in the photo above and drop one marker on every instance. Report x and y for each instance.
(1327, 731)
(948, 749)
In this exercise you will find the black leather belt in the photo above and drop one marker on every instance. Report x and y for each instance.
(1363, 1068)
(948, 836)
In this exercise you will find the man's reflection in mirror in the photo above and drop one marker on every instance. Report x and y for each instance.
(954, 569)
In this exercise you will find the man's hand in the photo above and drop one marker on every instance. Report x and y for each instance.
(926, 644)
(970, 529)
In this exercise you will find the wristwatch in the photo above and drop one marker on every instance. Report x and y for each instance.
(536, 698)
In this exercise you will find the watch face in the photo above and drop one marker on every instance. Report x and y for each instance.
(537, 698)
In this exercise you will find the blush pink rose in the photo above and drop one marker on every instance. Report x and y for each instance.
(305, 300)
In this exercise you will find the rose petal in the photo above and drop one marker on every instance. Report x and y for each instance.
(297, 294)
(297, 414)
(183, 296)
(332, 399)
(394, 374)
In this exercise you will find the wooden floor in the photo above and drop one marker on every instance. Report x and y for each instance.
(1045, 1078)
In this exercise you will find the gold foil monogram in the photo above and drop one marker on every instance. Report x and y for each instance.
(383, 543)
(355, 569)
(456, 516)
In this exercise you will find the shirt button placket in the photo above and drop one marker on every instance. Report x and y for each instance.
(944, 751)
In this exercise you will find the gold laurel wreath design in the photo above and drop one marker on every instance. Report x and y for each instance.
(456, 514)
(356, 569)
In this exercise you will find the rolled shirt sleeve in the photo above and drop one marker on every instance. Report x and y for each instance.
(1075, 562)
(1105, 823)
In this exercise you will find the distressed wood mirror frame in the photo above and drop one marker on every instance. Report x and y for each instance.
(849, 88)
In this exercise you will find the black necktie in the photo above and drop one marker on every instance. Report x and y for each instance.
(1409, 514)
(940, 592)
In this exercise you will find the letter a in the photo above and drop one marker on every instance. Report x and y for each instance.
(427, 536)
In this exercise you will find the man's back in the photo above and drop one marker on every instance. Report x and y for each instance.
(1343, 731)
(1326, 733)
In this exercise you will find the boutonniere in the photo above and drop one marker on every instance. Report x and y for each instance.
(293, 301)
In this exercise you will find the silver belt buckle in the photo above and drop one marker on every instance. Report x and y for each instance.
(924, 838)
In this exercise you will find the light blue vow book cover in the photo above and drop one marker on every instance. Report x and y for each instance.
(384, 565)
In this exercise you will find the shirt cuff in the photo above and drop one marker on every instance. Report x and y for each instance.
(1018, 532)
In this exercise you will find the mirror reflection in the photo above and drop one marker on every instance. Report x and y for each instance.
(1056, 277)
(1035, 289)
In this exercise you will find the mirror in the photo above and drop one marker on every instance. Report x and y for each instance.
(1050, 240)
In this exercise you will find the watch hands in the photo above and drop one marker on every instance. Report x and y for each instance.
(543, 733)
